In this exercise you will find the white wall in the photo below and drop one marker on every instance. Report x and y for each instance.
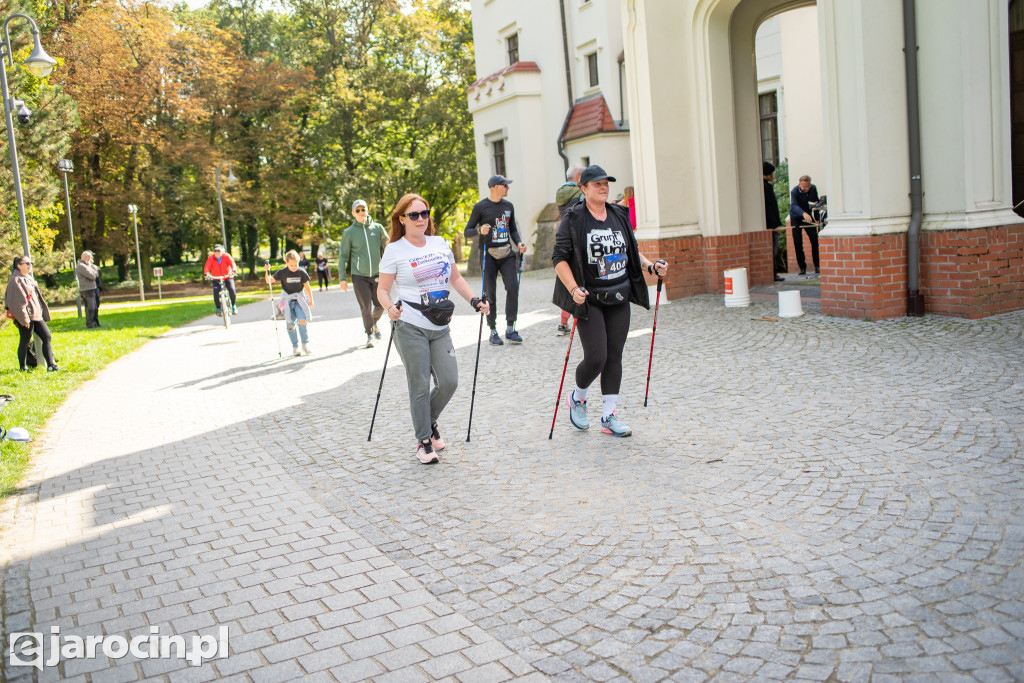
(532, 107)
(801, 82)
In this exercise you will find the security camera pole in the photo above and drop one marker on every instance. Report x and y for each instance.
(39, 65)
(134, 211)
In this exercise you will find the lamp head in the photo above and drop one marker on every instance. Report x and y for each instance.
(66, 166)
(132, 208)
(328, 204)
(39, 64)
(231, 175)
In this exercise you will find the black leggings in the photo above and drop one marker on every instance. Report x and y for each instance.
(603, 336)
(41, 331)
(321, 278)
(507, 267)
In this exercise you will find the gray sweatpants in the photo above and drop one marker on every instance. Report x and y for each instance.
(426, 354)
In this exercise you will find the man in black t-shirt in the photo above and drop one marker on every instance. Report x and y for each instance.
(493, 219)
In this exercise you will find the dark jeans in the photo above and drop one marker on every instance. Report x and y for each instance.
(366, 295)
(25, 337)
(507, 268)
(92, 307)
(798, 246)
(321, 279)
(216, 292)
(603, 336)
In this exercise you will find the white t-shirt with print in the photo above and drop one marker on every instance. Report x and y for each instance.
(419, 272)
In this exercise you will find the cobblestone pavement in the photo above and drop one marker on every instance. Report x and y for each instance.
(815, 498)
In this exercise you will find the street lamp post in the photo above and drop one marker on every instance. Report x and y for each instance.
(39, 65)
(134, 211)
(323, 202)
(65, 166)
(220, 204)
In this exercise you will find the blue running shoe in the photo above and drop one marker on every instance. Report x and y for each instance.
(514, 337)
(612, 425)
(577, 412)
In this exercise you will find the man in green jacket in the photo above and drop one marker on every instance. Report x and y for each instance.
(362, 244)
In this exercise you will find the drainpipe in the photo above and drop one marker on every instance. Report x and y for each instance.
(568, 87)
(915, 300)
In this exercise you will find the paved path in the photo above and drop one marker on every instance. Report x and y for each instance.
(814, 498)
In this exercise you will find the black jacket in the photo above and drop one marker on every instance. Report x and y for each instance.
(569, 248)
(771, 207)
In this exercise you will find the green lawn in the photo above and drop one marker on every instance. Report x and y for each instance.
(80, 354)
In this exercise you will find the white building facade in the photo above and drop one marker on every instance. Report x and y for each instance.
(691, 106)
(530, 119)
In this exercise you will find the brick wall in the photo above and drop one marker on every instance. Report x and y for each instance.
(964, 273)
(973, 273)
(697, 264)
(864, 277)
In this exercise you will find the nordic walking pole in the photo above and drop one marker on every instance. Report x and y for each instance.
(654, 331)
(479, 338)
(273, 307)
(381, 385)
(558, 399)
(519, 279)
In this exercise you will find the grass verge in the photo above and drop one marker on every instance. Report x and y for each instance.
(80, 354)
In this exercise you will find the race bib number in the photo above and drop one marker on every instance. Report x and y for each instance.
(501, 227)
(606, 250)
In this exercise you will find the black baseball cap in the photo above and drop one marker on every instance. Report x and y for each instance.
(497, 180)
(592, 173)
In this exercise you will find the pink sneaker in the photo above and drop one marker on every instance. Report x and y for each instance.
(435, 438)
(425, 452)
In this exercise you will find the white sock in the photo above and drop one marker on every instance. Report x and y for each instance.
(608, 402)
(579, 394)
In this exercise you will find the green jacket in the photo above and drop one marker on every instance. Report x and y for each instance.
(361, 247)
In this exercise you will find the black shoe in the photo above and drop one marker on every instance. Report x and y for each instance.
(779, 278)
(562, 330)
(514, 337)
(52, 368)
(495, 339)
(803, 271)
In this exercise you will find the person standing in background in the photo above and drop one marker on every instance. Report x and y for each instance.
(323, 276)
(800, 199)
(88, 274)
(567, 196)
(772, 221)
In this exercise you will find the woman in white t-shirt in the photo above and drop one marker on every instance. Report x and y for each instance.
(422, 267)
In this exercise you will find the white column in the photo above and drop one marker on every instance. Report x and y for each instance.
(660, 98)
(867, 172)
(965, 114)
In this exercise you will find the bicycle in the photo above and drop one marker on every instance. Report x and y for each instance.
(224, 297)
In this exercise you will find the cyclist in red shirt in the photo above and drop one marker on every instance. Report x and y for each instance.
(220, 264)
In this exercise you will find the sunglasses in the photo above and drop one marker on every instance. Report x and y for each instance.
(360, 210)
(417, 215)
(26, 263)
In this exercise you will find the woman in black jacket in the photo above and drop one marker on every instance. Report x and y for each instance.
(600, 271)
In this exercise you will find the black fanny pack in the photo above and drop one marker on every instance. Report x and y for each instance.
(439, 311)
(610, 295)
